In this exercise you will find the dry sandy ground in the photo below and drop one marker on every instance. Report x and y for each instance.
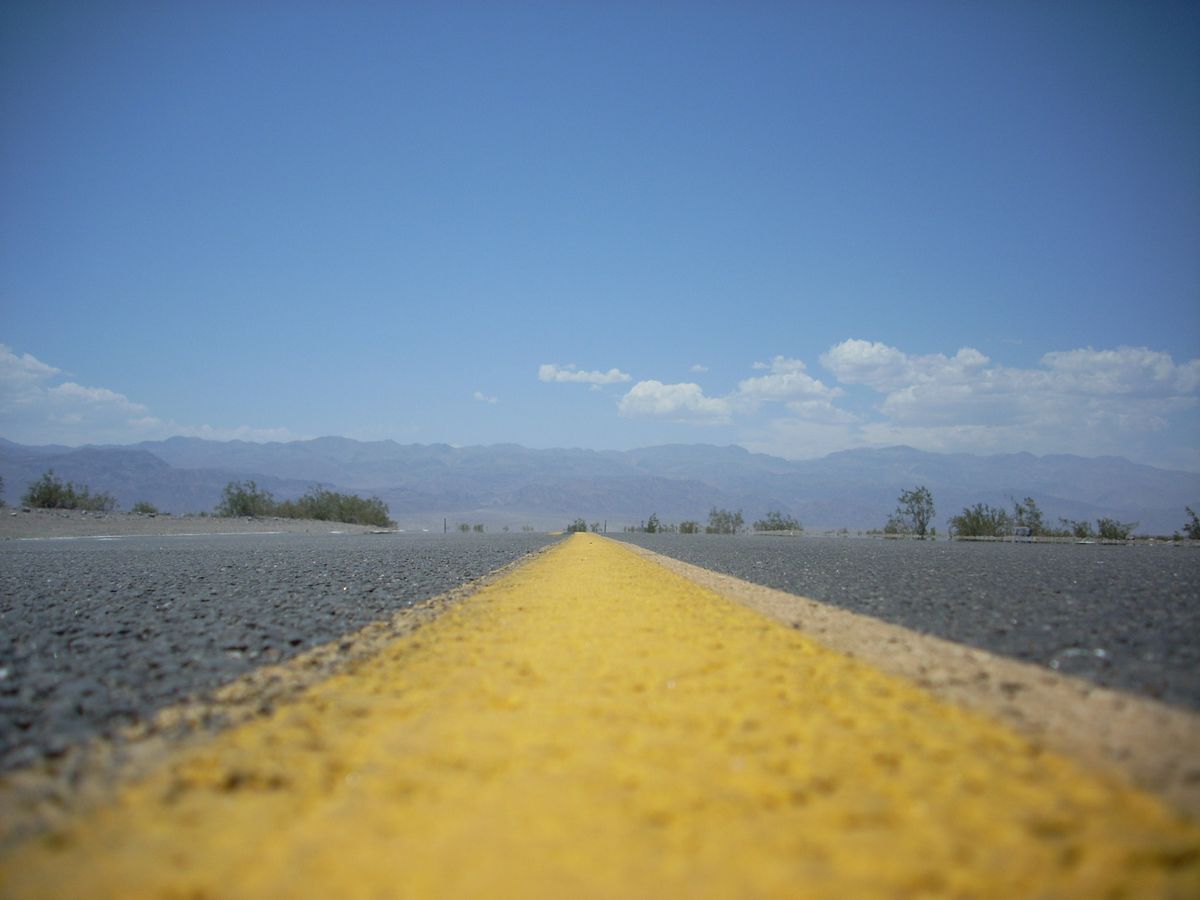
(17, 523)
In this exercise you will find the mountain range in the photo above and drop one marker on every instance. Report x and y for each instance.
(507, 484)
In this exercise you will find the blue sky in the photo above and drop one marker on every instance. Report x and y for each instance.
(795, 227)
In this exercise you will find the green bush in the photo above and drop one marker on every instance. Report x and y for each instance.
(913, 515)
(1077, 528)
(330, 506)
(576, 526)
(1112, 530)
(49, 492)
(981, 520)
(777, 521)
(1191, 528)
(245, 498)
(144, 508)
(722, 521)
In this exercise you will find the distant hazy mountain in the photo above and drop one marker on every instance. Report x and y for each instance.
(513, 485)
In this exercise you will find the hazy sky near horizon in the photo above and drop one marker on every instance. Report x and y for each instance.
(799, 227)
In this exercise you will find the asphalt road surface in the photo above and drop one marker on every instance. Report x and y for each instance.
(95, 634)
(1125, 616)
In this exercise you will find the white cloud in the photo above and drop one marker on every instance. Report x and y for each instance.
(699, 369)
(1128, 401)
(787, 380)
(885, 368)
(552, 372)
(677, 402)
(34, 409)
(1082, 401)
(484, 398)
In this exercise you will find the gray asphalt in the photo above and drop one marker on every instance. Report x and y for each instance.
(96, 634)
(1125, 616)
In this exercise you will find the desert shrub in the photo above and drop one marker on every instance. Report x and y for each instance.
(722, 521)
(330, 506)
(981, 520)
(1077, 528)
(49, 492)
(914, 514)
(777, 521)
(1026, 514)
(144, 508)
(1191, 528)
(245, 498)
(1112, 530)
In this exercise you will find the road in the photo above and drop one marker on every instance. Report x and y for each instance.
(97, 634)
(594, 725)
(1123, 616)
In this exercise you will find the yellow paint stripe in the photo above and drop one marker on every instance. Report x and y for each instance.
(595, 726)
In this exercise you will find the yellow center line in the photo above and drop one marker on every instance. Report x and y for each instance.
(593, 725)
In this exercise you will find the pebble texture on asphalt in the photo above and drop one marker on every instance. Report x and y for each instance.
(593, 725)
(1124, 616)
(97, 634)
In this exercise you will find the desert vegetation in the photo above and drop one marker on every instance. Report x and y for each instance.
(1191, 528)
(49, 492)
(248, 499)
(722, 521)
(1026, 520)
(913, 514)
(775, 520)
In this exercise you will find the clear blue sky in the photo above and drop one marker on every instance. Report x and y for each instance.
(796, 227)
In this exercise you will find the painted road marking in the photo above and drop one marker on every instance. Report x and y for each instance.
(595, 725)
(1152, 744)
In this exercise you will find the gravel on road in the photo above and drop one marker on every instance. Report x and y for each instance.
(98, 634)
(1123, 616)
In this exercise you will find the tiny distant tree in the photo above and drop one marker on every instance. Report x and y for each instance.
(49, 492)
(1077, 528)
(1112, 530)
(652, 524)
(777, 521)
(463, 527)
(245, 499)
(980, 520)
(479, 528)
(596, 527)
(1191, 529)
(1027, 515)
(722, 521)
(689, 527)
(144, 508)
(914, 513)
(577, 526)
